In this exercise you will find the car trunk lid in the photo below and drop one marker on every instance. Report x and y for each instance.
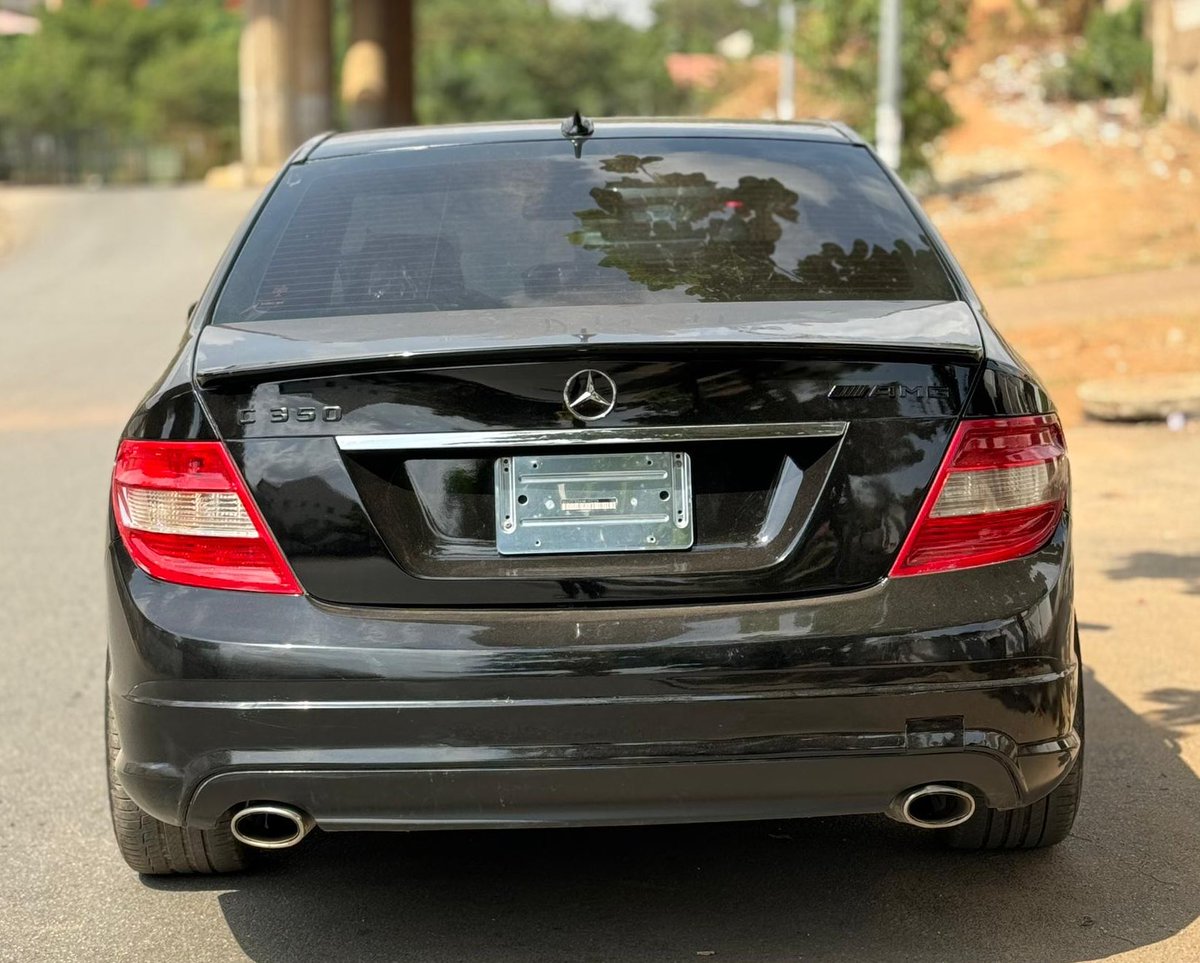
(372, 444)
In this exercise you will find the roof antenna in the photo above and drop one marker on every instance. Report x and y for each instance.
(577, 129)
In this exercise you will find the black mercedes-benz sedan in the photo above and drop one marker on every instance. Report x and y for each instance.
(588, 474)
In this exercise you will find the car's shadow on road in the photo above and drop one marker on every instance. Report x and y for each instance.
(863, 888)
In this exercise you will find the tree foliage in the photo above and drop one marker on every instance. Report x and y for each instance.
(695, 26)
(521, 59)
(1115, 59)
(838, 42)
(171, 68)
(129, 71)
(153, 73)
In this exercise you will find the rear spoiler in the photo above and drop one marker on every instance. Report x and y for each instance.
(841, 328)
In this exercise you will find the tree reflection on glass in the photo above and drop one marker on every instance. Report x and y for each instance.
(668, 230)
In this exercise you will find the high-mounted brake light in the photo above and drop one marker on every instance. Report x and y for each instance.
(185, 516)
(998, 495)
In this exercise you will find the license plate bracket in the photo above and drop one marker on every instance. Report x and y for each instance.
(588, 503)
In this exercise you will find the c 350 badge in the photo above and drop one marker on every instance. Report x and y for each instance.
(284, 413)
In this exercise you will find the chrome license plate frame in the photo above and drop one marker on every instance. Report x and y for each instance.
(575, 504)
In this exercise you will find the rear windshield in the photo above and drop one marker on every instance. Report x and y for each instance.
(633, 221)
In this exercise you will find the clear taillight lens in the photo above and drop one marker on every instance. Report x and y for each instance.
(213, 514)
(998, 490)
(998, 495)
(185, 516)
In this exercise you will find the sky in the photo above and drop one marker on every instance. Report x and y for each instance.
(636, 12)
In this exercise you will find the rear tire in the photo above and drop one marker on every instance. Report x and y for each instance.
(153, 847)
(1046, 822)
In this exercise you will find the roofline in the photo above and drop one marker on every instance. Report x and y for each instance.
(349, 143)
(301, 153)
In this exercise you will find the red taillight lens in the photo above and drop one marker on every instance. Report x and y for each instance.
(999, 494)
(185, 516)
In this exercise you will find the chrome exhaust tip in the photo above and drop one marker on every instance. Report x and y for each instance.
(270, 826)
(932, 807)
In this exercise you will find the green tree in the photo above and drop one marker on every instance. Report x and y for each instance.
(191, 81)
(695, 26)
(838, 42)
(1115, 60)
(124, 70)
(521, 59)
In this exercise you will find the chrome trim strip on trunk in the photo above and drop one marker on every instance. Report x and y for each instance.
(552, 437)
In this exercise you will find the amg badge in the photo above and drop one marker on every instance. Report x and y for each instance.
(893, 390)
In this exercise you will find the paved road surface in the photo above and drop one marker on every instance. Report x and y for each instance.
(91, 303)
(1137, 295)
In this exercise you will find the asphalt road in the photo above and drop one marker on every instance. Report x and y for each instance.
(93, 293)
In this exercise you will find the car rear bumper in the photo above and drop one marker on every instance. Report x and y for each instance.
(385, 719)
(674, 791)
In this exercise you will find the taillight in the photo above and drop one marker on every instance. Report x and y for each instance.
(999, 495)
(185, 516)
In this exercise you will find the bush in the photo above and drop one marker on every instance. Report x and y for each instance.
(1114, 61)
(838, 42)
(521, 59)
(117, 74)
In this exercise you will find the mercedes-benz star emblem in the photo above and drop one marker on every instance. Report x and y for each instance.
(590, 394)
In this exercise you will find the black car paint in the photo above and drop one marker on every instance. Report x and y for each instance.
(866, 499)
(377, 715)
(310, 345)
(941, 678)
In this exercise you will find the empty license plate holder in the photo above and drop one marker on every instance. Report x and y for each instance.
(576, 504)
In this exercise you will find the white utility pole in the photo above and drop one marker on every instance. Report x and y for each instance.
(889, 129)
(785, 102)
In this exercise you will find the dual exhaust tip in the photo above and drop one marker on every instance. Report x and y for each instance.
(932, 807)
(270, 826)
(275, 826)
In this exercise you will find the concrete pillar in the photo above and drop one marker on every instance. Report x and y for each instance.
(267, 129)
(310, 45)
(377, 72)
(401, 41)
